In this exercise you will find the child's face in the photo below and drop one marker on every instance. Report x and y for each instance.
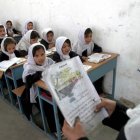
(29, 26)
(35, 40)
(9, 25)
(66, 48)
(2, 32)
(39, 56)
(11, 48)
(50, 37)
(88, 38)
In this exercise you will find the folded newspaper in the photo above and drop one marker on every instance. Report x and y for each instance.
(4, 65)
(74, 93)
(98, 57)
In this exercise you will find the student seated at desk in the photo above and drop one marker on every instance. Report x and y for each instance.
(29, 25)
(8, 48)
(63, 50)
(85, 47)
(26, 41)
(10, 29)
(37, 62)
(48, 38)
(2, 32)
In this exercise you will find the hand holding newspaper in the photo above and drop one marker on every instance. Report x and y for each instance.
(74, 93)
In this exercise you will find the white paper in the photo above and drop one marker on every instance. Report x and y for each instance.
(4, 65)
(98, 57)
(74, 93)
(86, 67)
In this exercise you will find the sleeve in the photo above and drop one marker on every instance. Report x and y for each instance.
(23, 53)
(97, 49)
(3, 57)
(73, 54)
(84, 53)
(121, 135)
(16, 31)
(118, 119)
(17, 53)
(56, 57)
(31, 79)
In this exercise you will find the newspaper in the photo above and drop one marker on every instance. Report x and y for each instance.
(74, 93)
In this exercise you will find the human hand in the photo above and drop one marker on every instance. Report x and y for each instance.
(73, 133)
(108, 104)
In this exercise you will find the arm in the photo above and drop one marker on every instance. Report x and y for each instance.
(73, 54)
(97, 49)
(17, 53)
(56, 57)
(118, 118)
(31, 79)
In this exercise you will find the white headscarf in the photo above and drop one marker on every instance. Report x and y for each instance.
(30, 68)
(5, 31)
(81, 45)
(58, 44)
(44, 35)
(25, 28)
(24, 43)
(132, 128)
(4, 51)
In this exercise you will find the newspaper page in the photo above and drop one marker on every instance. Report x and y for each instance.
(74, 93)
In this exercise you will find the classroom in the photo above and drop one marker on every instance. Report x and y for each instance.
(59, 31)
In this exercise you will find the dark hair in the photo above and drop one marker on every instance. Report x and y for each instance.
(68, 41)
(30, 22)
(8, 41)
(1, 26)
(36, 48)
(34, 34)
(9, 22)
(87, 32)
(50, 32)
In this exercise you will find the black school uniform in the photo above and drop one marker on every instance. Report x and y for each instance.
(99, 83)
(56, 56)
(14, 31)
(48, 109)
(46, 44)
(3, 56)
(116, 121)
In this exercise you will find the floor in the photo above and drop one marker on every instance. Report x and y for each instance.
(13, 126)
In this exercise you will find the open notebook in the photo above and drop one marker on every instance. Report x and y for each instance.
(98, 57)
(4, 65)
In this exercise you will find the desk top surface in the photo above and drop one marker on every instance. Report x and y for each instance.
(95, 66)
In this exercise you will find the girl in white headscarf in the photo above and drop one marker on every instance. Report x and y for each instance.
(36, 63)
(63, 49)
(8, 48)
(26, 41)
(2, 32)
(85, 46)
(29, 25)
(48, 38)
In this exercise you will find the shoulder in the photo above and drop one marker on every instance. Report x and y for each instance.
(56, 57)
(42, 41)
(97, 48)
(3, 56)
(72, 54)
(17, 53)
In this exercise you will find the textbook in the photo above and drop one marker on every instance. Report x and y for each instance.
(98, 57)
(4, 65)
(74, 93)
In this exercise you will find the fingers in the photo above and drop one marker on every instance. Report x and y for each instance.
(100, 105)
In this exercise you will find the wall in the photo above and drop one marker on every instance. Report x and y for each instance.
(116, 26)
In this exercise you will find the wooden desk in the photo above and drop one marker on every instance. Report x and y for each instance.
(100, 69)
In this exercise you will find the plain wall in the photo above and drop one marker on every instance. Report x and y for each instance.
(115, 25)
